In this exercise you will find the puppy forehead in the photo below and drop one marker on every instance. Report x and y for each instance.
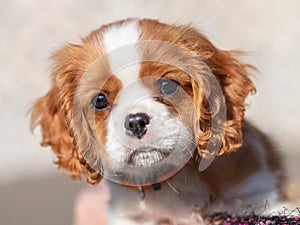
(126, 58)
(120, 42)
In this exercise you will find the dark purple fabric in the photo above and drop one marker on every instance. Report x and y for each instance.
(225, 219)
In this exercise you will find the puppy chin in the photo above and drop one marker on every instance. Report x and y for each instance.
(147, 156)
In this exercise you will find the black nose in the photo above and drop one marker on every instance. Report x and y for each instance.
(135, 124)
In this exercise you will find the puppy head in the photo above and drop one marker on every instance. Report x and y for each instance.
(138, 98)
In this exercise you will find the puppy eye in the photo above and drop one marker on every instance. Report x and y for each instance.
(168, 87)
(99, 102)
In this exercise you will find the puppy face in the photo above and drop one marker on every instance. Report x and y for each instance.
(137, 98)
(141, 114)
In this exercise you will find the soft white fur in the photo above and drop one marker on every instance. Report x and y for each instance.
(120, 42)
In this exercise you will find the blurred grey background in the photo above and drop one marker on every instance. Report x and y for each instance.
(32, 192)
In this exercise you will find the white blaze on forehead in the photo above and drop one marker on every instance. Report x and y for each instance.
(120, 42)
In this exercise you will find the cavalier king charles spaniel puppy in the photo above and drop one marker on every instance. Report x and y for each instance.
(158, 111)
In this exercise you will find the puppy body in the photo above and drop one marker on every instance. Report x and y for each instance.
(247, 181)
(146, 99)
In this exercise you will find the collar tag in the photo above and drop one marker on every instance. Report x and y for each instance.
(141, 190)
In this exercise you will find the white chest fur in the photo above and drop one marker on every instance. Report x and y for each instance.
(181, 196)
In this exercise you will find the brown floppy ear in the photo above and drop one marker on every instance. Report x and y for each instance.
(232, 78)
(236, 85)
(53, 113)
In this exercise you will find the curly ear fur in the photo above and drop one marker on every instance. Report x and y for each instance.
(53, 113)
(235, 84)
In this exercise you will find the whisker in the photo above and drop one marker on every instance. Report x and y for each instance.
(173, 188)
